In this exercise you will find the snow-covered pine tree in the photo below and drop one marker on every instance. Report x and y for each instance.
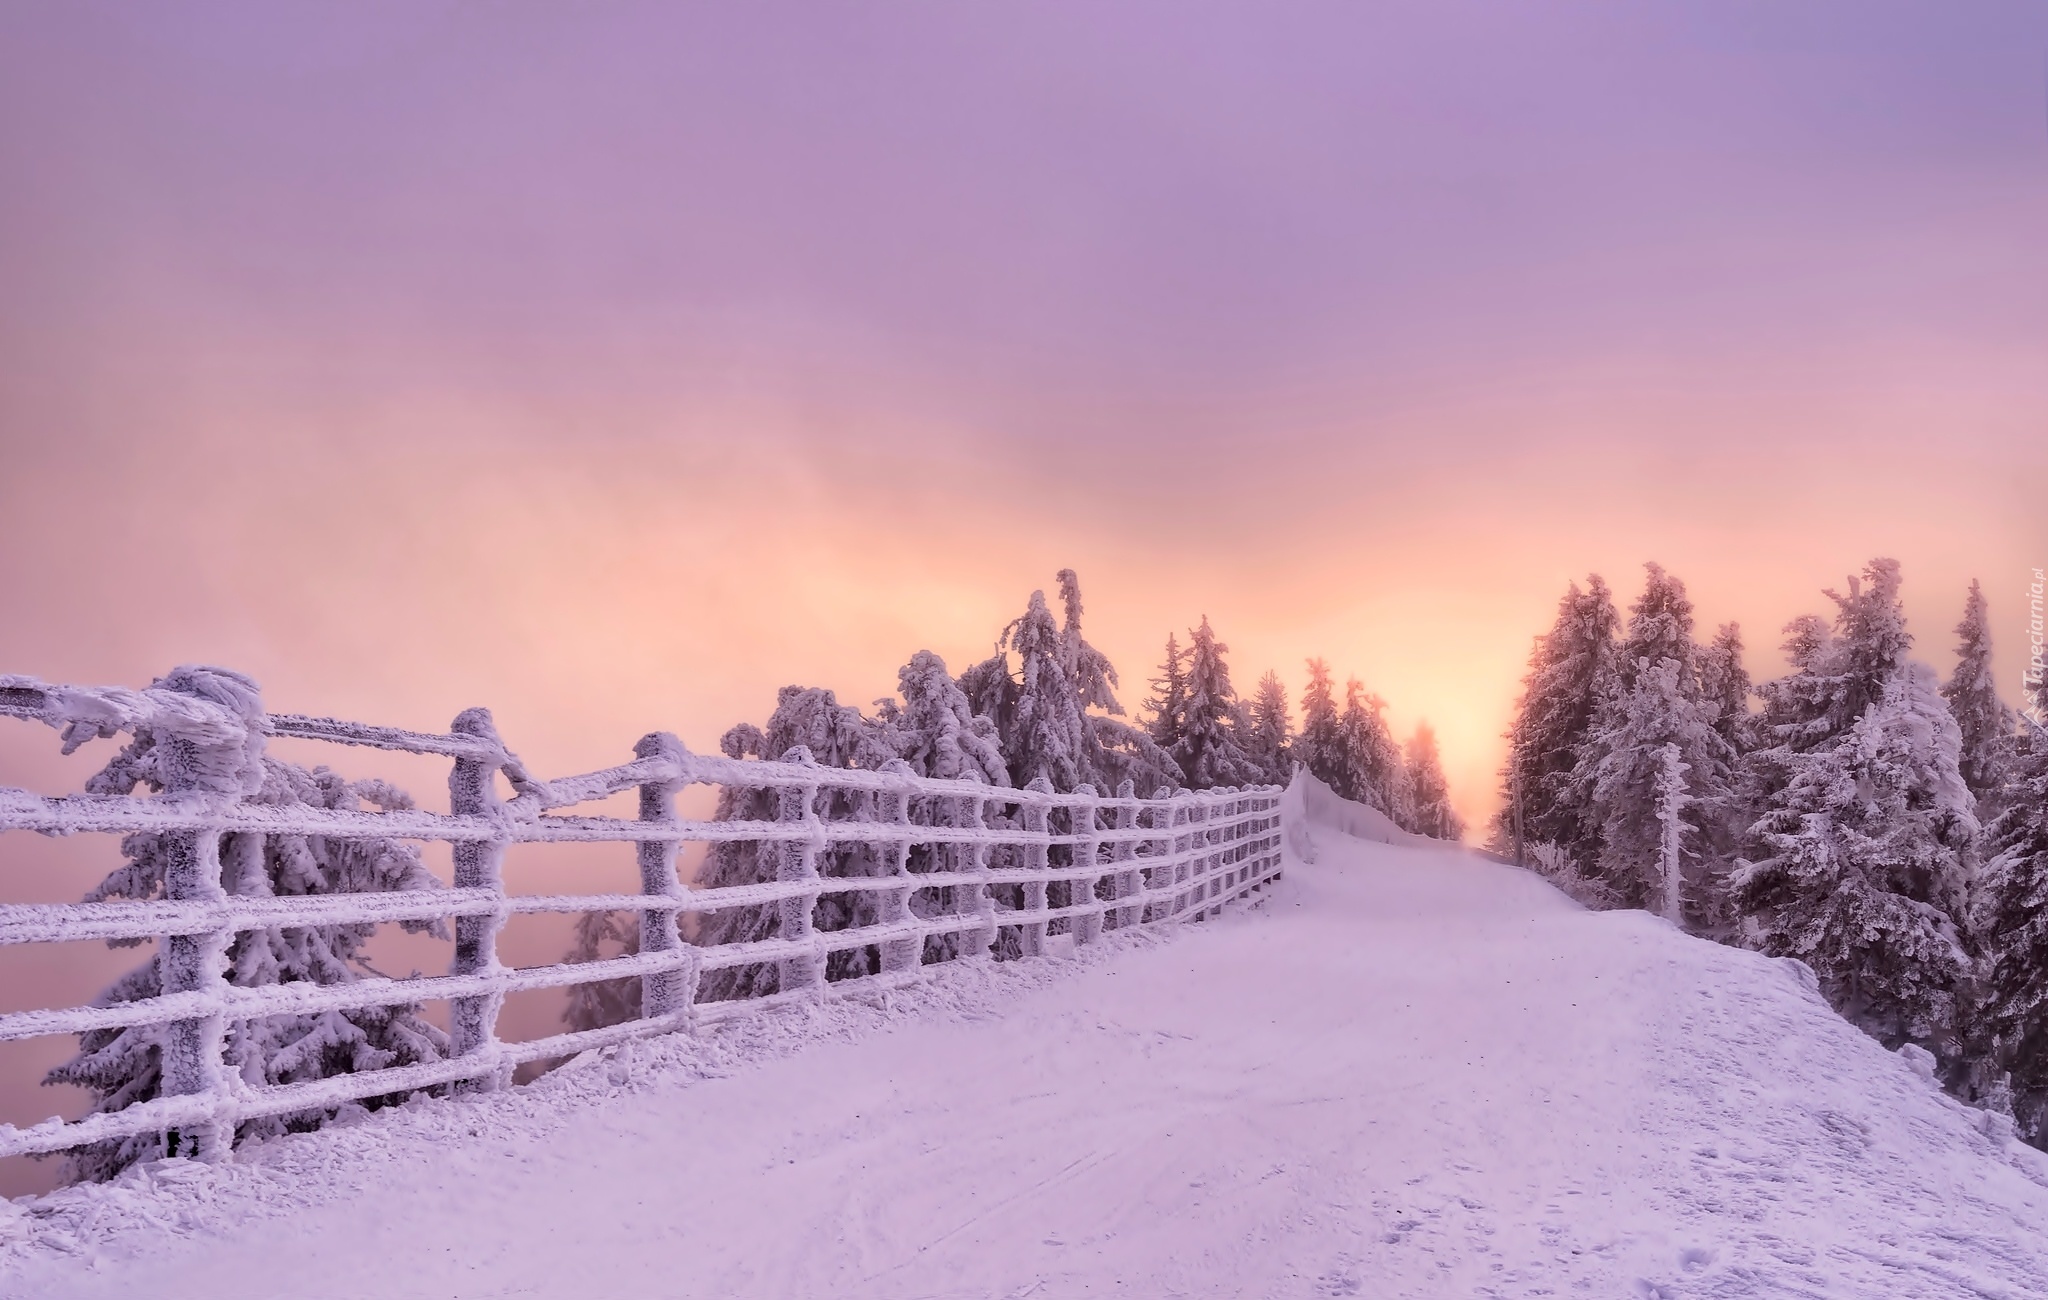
(1434, 815)
(932, 731)
(1623, 771)
(1209, 753)
(1050, 738)
(1372, 761)
(122, 1066)
(1857, 856)
(1354, 744)
(1093, 676)
(1653, 700)
(1724, 683)
(1166, 710)
(1046, 705)
(1986, 723)
(1115, 750)
(935, 734)
(2009, 920)
(936, 731)
(1269, 733)
(1320, 747)
(1569, 671)
(1659, 627)
(810, 721)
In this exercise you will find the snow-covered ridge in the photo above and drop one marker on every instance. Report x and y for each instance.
(200, 736)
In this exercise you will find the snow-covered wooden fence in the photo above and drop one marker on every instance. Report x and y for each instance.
(1128, 861)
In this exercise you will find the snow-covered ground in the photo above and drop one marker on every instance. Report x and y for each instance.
(1410, 1073)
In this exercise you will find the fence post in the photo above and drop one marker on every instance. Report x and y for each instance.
(798, 861)
(1087, 852)
(662, 993)
(980, 895)
(900, 955)
(1218, 856)
(196, 963)
(1129, 882)
(479, 864)
(1031, 935)
(1159, 816)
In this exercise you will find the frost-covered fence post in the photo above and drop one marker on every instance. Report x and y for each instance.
(662, 993)
(196, 963)
(900, 955)
(1129, 881)
(479, 864)
(1180, 864)
(1240, 844)
(980, 896)
(1087, 853)
(1159, 851)
(1031, 935)
(798, 862)
(1223, 834)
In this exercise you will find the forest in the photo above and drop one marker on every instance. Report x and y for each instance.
(1860, 815)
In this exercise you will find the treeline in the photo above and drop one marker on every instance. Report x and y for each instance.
(1888, 829)
(1042, 707)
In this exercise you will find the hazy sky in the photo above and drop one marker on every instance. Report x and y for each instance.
(613, 365)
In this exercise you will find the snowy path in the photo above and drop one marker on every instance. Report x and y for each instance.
(1411, 1073)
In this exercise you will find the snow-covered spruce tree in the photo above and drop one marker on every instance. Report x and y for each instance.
(1653, 700)
(123, 1066)
(1050, 739)
(1372, 761)
(2009, 920)
(932, 731)
(1659, 627)
(1986, 723)
(936, 731)
(1320, 747)
(1166, 709)
(1209, 753)
(1569, 671)
(1042, 710)
(1724, 683)
(1434, 815)
(1624, 771)
(1268, 736)
(1060, 721)
(1856, 860)
(935, 734)
(807, 722)
(1116, 750)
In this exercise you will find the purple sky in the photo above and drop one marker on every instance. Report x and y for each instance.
(786, 339)
(1359, 328)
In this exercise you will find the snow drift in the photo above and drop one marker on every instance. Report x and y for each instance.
(1311, 802)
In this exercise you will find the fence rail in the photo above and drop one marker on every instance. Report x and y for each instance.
(990, 857)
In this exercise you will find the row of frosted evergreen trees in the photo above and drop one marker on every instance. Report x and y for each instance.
(1886, 828)
(1041, 711)
(1044, 706)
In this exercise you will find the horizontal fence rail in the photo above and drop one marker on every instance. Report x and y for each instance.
(989, 854)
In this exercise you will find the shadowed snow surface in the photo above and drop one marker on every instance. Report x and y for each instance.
(1409, 1073)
